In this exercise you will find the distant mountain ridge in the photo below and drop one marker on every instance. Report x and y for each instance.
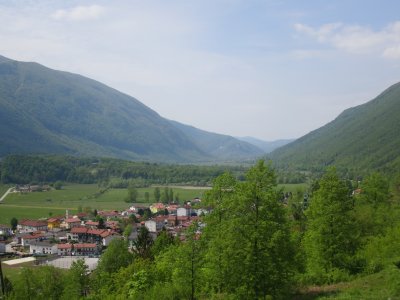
(219, 145)
(48, 111)
(365, 137)
(266, 146)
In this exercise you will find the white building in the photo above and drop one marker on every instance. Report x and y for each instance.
(42, 248)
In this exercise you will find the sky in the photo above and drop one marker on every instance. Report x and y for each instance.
(269, 69)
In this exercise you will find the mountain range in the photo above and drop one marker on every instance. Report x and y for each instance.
(48, 111)
(266, 146)
(365, 137)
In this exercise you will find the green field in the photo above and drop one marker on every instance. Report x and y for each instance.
(293, 187)
(75, 196)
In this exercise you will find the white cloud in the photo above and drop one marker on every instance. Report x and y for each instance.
(79, 13)
(357, 39)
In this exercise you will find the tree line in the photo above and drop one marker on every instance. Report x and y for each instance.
(115, 173)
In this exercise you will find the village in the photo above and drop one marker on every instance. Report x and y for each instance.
(88, 234)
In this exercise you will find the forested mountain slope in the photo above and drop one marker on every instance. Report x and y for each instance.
(48, 111)
(366, 137)
(223, 147)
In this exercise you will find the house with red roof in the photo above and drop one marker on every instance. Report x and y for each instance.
(53, 223)
(156, 207)
(33, 237)
(26, 226)
(92, 224)
(72, 222)
(64, 249)
(77, 249)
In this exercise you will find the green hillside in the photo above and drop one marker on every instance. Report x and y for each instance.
(360, 138)
(48, 111)
(222, 147)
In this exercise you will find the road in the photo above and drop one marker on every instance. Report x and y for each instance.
(5, 194)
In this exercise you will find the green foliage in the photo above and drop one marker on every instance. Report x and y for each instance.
(375, 189)
(157, 194)
(252, 257)
(115, 257)
(58, 185)
(142, 244)
(76, 281)
(331, 239)
(146, 197)
(133, 194)
(14, 223)
(163, 241)
(43, 283)
(110, 173)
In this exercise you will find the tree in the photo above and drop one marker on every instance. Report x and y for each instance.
(14, 223)
(189, 259)
(128, 230)
(163, 241)
(216, 234)
(157, 194)
(165, 195)
(44, 282)
(146, 197)
(331, 238)
(142, 245)
(250, 251)
(375, 189)
(101, 222)
(115, 257)
(77, 280)
(133, 194)
(170, 195)
(147, 214)
(58, 185)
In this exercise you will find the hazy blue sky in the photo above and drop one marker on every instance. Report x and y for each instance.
(269, 69)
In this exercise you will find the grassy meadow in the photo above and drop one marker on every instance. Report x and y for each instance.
(74, 196)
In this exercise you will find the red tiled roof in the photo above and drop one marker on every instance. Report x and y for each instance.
(64, 246)
(158, 205)
(52, 220)
(32, 223)
(92, 223)
(95, 231)
(85, 245)
(106, 234)
(73, 220)
(81, 215)
(79, 230)
(32, 236)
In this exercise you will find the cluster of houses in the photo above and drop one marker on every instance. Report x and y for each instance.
(75, 235)
(31, 188)
(80, 235)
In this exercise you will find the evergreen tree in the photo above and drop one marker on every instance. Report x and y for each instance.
(77, 281)
(331, 237)
(14, 223)
(157, 194)
(142, 245)
(250, 254)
